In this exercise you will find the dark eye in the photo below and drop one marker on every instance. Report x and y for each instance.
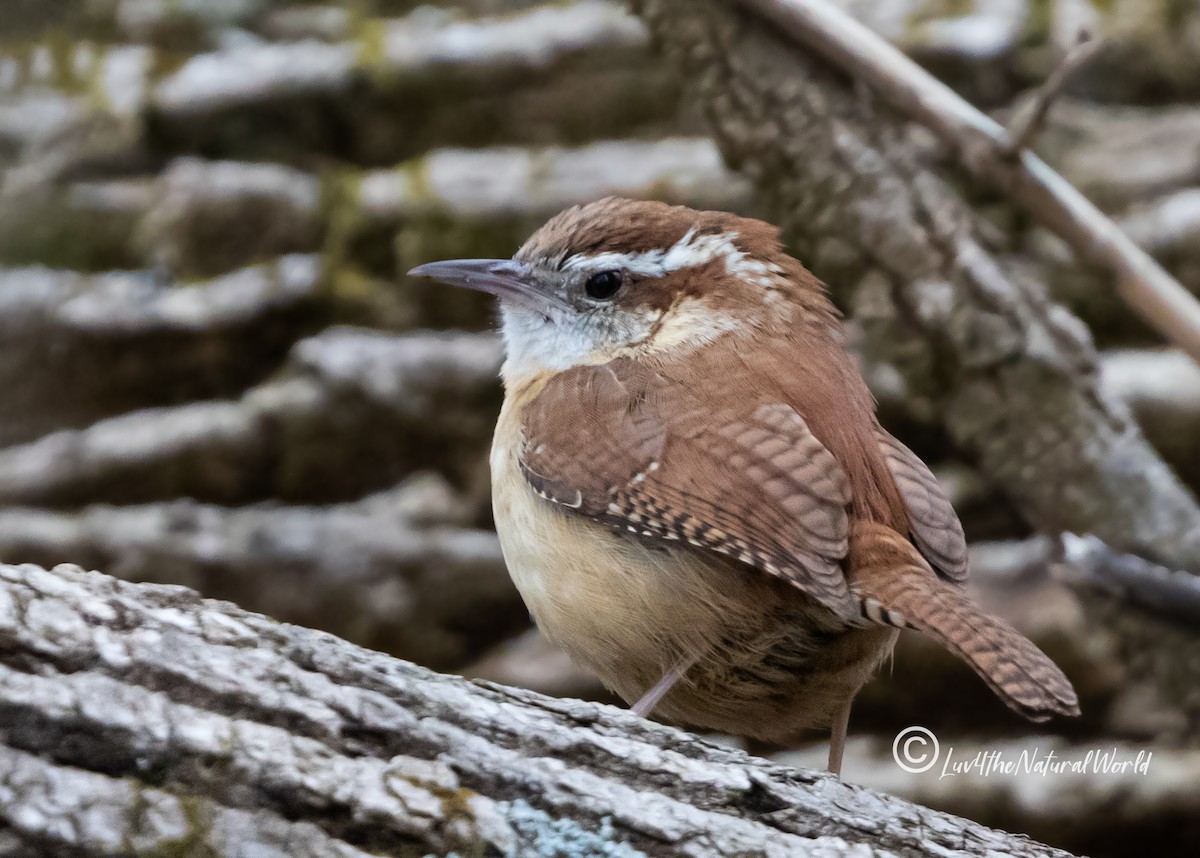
(602, 286)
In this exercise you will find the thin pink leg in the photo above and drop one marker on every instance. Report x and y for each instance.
(837, 738)
(651, 698)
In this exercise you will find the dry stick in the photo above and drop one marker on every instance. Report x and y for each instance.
(986, 150)
(1086, 561)
(1027, 122)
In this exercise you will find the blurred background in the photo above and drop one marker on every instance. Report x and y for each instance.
(214, 373)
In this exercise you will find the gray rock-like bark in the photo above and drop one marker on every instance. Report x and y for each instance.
(142, 718)
(200, 218)
(256, 73)
(75, 348)
(1118, 156)
(1160, 386)
(1169, 226)
(401, 571)
(503, 183)
(984, 47)
(354, 412)
(1011, 374)
(210, 217)
(52, 129)
(1149, 616)
(400, 87)
(1141, 164)
(388, 90)
(1163, 389)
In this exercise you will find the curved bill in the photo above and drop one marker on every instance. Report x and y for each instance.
(504, 278)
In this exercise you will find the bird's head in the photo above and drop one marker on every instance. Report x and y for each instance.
(620, 277)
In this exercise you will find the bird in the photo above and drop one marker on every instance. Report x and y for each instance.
(691, 488)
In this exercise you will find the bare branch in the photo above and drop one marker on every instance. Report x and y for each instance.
(984, 148)
(1028, 122)
(1087, 561)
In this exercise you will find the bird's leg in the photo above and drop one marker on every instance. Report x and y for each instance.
(837, 737)
(651, 698)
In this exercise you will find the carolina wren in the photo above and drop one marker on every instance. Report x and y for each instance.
(692, 491)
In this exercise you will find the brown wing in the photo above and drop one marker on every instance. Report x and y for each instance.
(628, 448)
(933, 524)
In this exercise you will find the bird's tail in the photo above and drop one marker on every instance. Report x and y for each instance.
(895, 586)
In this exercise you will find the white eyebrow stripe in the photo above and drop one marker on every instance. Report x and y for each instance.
(649, 264)
(690, 251)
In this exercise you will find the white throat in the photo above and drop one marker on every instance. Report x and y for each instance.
(535, 344)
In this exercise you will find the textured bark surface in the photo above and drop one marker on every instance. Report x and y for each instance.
(200, 217)
(353, 412)
(382, 90)
(1150, 615)
(140, 719)
(400, 571)
(75, 348)
(1011, 374)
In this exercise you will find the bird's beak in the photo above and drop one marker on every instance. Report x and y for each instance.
(505, 278)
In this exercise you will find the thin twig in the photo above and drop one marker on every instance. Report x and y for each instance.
(985, 150)
(1088, 561)
(1027, 122)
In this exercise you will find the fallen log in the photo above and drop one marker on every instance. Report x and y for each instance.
(141, 718)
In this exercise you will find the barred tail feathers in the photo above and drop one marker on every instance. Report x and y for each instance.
(895, 586)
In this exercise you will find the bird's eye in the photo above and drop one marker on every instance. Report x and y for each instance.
(602, 286)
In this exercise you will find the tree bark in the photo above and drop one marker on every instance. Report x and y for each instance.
(399, 571)
(75, 348)
(142, 719)
(353, 412)
(1011, 374)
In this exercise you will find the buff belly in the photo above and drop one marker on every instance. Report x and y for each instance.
(766, 662)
